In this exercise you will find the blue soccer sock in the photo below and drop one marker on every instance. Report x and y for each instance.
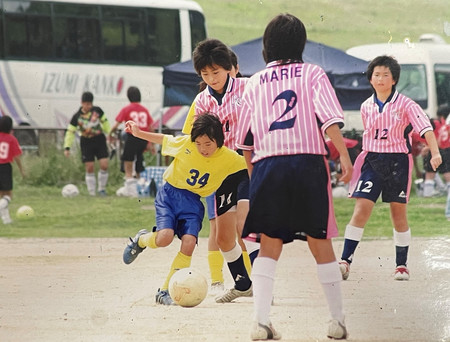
(237, 268)
(353, 236)
(402, 241)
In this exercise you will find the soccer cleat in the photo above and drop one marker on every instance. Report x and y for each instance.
(163, 297)
(216, 288)
(401, 273)
(132, 250)
(261, 332)
(337, 330)
(344, 267)
(102, 193)
(232, 294)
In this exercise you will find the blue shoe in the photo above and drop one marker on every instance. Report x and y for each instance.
(102, 193)
(132, 250)
(163, 297)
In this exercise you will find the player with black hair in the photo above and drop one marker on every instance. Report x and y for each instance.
(133, 148)
(201, 164)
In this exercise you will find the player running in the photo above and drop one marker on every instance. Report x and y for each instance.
(201, 164)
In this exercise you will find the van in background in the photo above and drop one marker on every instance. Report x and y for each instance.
(425, 69)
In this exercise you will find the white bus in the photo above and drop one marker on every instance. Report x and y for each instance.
(54, 50)
(425, 69)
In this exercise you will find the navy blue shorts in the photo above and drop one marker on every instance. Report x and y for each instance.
(388, 174)
(290, 198)
(180, 210)
(6, 177)
(92, 148)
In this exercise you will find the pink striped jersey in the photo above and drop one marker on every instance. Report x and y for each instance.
(226, 109)
(287, 108)
(387, 132)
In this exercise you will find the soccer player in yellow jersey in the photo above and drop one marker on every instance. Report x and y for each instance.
(201, 164)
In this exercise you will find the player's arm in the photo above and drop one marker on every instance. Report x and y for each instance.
(18, 161)
(133, 128)
(69, 138)
(436, 158)
(187, 127)
(334, 133)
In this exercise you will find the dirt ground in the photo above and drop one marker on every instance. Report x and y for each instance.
(74, 290)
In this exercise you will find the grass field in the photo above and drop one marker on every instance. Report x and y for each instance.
(338, 23)
(113, 216)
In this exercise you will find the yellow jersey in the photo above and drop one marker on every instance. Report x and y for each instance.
(191, 171)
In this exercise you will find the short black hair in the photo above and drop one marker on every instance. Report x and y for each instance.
(386, 61)
(210, 125)
(284, 39)
(209, 52)
(6, 124)
(87, 97)
(133, 94)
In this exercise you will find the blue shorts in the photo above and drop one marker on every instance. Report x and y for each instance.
(388, 174)
(290, 198)
(211, 206)
(180, 210)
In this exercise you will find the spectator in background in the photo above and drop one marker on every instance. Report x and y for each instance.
(134, 147)
(9, 151)
(91, 123)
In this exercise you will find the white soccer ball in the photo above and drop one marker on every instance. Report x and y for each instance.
(121, 191)
(25, 212)
(70, 190)
(188, 287)
(340, 192)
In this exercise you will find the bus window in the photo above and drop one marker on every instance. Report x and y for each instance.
(413, 83)
(198, 32)
(442, 74)
(163, 36)
(123, 34)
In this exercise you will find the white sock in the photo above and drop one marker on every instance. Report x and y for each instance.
(4, 213)
(102, 179)
(233, 254)
(263, 275)
(428, 188)
(330, 277)
(402, 239)
(131, 187)
(90, 183)
(4, 202)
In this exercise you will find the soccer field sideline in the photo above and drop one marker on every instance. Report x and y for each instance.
(80, 290)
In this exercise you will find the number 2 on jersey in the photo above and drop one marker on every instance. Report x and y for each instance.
(291, 100)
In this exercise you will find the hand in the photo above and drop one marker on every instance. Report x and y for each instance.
(346, 168)
(131, 127)
(435, 161)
